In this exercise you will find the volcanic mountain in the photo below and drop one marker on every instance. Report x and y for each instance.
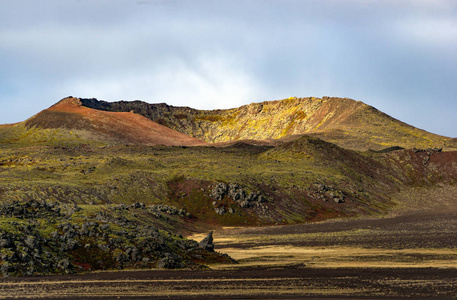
(348, 123)
(112, 127)
(68, 177)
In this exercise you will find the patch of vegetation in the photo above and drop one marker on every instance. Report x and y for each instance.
(180, 116)
(210, 118)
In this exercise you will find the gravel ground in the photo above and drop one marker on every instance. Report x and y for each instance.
(246, 283)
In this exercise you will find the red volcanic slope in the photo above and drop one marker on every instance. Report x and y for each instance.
(122, 127)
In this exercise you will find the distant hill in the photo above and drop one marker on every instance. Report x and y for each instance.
(68, 119)
(345, 122)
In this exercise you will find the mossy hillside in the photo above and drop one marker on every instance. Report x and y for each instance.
(185, 176)
(368, 128)
(19, 135)
(345, 122)
(302, 180)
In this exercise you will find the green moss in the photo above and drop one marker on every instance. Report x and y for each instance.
(210, 118)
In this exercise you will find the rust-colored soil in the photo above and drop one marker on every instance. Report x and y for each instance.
(123, 127)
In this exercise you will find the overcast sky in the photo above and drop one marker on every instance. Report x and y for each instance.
(399, 56)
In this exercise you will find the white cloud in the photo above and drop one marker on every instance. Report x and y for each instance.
(211, 83)
(432, 32)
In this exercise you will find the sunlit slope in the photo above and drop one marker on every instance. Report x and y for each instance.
(348, 123)
(69, 121)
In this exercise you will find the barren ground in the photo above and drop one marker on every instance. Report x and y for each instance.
(409, 253)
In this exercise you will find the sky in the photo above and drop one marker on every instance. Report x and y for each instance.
(399, 56)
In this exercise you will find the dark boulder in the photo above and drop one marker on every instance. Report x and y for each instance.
(207, 242)
(220, 210)
(170, 261)
(219, 191)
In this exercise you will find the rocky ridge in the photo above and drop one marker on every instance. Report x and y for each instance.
(348, 123)
(238, 194)
(40, 238)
